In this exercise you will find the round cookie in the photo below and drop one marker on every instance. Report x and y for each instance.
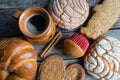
(75, 72)
(52, 68)
(69, 14)
(103, 58)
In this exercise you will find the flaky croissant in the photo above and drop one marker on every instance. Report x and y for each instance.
(17, 60)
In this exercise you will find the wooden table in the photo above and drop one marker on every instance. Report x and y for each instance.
(9, 26)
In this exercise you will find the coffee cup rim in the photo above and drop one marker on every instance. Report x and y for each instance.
(22, 27)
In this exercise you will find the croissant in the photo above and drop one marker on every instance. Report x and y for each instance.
(17, 60)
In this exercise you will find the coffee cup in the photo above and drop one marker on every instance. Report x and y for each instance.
(36, 24)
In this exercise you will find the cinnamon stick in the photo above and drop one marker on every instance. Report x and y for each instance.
(51, 44)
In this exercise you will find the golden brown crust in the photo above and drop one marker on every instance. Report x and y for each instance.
(53, 68)
(106, 14)
(75, 72)
(17, 57)
(72, 49)
(3, 74)
(11, 77)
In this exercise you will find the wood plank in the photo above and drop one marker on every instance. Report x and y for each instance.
(59, 46)
(5, 4)
(9, 25)
(113, 33)
(59, 49)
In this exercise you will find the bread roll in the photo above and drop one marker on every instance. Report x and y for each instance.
(69, 14)
(105, 16)
(17, 60)
(103, 59)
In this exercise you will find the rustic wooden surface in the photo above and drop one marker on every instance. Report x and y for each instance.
(9, 26)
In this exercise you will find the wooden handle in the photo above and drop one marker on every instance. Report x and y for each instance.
(17, 14)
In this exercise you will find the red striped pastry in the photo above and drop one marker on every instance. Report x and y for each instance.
(76, 45)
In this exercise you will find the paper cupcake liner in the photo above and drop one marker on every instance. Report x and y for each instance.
(80, 40)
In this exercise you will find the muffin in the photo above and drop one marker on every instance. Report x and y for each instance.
(76, 45)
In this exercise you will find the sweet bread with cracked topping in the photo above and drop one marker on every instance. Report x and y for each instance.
(103, 59)
(104, 17)
(69, 14)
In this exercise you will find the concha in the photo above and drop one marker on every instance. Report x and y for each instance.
(69, 14)
(103, 59)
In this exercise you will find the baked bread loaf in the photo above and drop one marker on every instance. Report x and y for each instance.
(17, 60)
(104, 17)
(75, 72)
(103, 59)
(69, 14)
(53, 68)
(76, 45)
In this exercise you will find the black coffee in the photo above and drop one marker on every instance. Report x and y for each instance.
(36, 24)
